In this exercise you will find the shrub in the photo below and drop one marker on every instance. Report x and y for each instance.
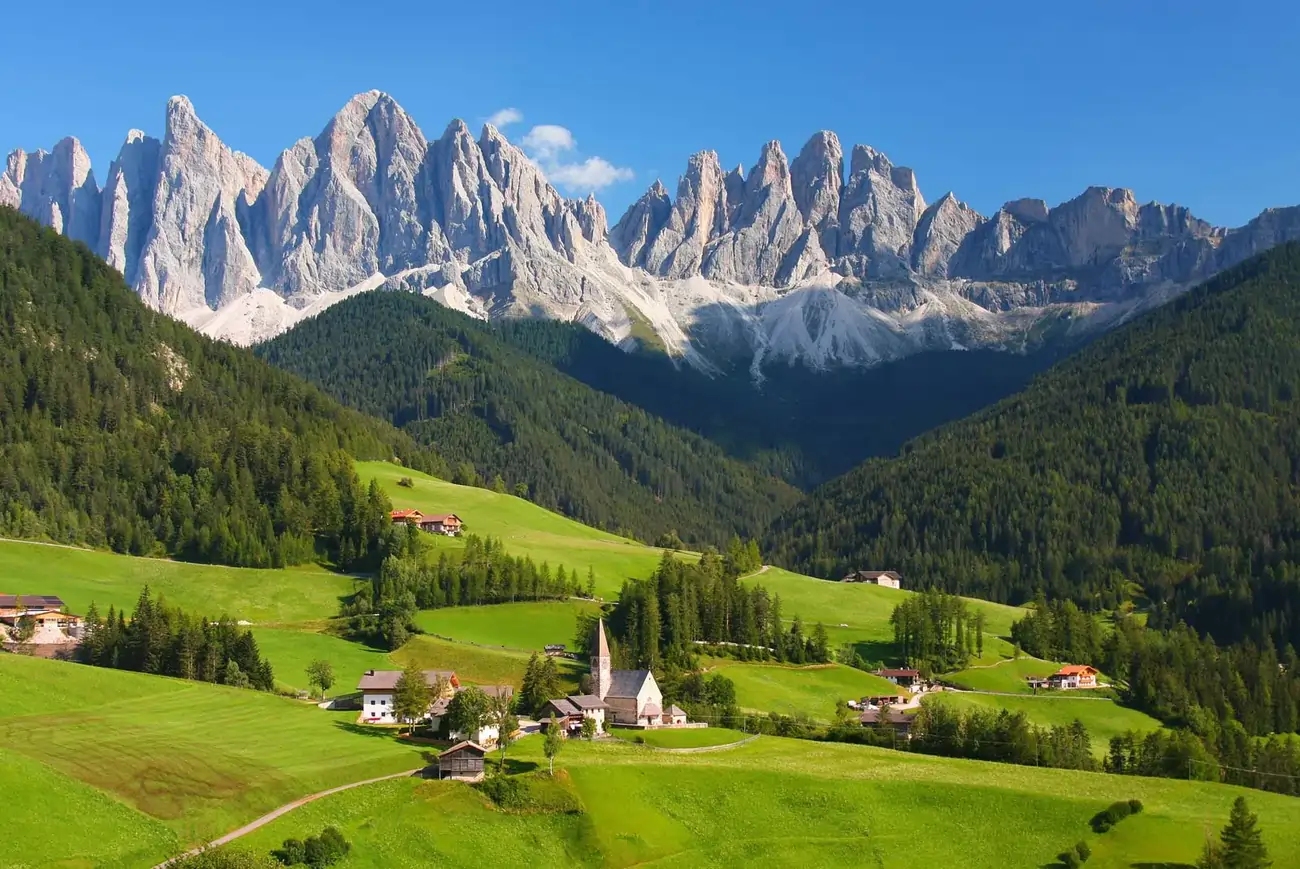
(506, 791)
(1083, 851)
(1069, 859)
(1114, 813)
(1135, 806)
(406, 482)
(291, 853)
(224, 858)
(316, 851)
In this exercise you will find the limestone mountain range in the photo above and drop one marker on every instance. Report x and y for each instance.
(793, 260)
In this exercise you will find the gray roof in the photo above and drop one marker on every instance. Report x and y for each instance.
(626, 683)
(386, 680)
(564, 707)
(651, 711)
(497, 690)
(31, 601)
(586, 701)
(473, 747)
(676, 710)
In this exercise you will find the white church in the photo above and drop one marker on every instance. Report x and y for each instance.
(627, 698)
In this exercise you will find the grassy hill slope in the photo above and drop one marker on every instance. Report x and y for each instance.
(781, 802)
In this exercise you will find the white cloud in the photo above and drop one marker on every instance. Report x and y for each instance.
(550, 144)
(505, 117)
(549, 141)
(594, 173)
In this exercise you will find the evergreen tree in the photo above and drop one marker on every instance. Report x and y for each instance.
(411, 696)
(1243, 843)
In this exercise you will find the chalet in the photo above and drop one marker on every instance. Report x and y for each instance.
(51, 625)
(909, 679)
(569, 712)
(897, 719)
(378, 686)
(557, 650)
(447, 524)
(462, 762)
(886, 578)
(1073, 676)
(406, 517)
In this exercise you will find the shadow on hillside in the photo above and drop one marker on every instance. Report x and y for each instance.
(878, 650)
(366, 730)
(517, 767)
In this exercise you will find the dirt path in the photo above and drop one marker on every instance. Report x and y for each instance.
(45, 543)
(283, 810)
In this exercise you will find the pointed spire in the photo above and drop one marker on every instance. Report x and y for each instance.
(602, 645)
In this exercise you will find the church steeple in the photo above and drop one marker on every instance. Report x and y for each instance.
(600, 663)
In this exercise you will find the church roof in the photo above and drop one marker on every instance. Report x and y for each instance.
(602, 645)
(626, 683)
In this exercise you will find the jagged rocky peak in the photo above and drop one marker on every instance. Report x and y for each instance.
(940, 233)
(195, 255)
(640, 224)
(817, 176)
(126, 213)
(1027, 210)
(879, 211)
(56, 187)
(699, 214)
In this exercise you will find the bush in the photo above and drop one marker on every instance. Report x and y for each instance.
(406, 482)
(1069, 859)
(1083, 851)
(224, 858)
(506, 791)
(1114, 813)
(324, 850)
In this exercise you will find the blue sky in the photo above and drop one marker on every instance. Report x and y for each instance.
(1190, 102)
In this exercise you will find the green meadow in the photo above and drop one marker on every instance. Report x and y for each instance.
(777, 802)
(1103, 717)
(81, 576)
(479, 665)
(692, 738)
(812, 690)
(199, 759)
(859, 613)
(524, 527)
(1006, 677)
(521, 626)
(290, 651)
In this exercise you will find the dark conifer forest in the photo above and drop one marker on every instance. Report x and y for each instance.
(1160, 461)
(123, 428)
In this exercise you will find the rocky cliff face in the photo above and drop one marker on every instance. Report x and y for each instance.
(791, 260)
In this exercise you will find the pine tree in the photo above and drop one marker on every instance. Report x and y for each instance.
(411, 696)
(1243, 842)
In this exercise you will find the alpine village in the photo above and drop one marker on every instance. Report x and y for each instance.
(382, 503)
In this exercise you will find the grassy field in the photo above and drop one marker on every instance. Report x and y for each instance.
(523, 626)
(693, 738)
(813, 691)
(479, 665)
(201, 759)
(81, 576)
(63, 822)
(859, 613)
(290, 651)
(525, 528)
(1007, 677)
(779, 802)
(1103, 718)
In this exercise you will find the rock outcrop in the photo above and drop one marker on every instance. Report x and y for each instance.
(796, 261)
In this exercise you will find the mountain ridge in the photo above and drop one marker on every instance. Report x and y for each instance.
(793, 261)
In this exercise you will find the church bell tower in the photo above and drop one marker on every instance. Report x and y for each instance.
(600, 665)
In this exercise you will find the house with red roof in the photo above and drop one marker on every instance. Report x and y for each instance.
(1073, 676)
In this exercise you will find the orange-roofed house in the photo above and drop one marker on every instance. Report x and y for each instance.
(447, 523)
(408, 517)
(1074, 676)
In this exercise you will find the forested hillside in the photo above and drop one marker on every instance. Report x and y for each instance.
(801, 425)
(121, 427)
(1166, 453)
(504, 418)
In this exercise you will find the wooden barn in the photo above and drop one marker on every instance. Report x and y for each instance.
(462, 762)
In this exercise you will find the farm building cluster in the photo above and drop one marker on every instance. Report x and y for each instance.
(446, 524)
(1071, 677)
(38, 620)
(378, 687)
(884, 578)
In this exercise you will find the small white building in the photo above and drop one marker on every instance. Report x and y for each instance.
(377, 688)
(883, 578)
(488, 734)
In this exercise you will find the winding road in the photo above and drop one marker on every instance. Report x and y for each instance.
(283, 810)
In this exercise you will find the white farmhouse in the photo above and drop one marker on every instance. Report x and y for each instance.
(378, 686)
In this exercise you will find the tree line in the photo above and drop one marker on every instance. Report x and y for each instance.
(382, 610)
(937, 633)
(665, 618)
(167, 641)
(124, 429)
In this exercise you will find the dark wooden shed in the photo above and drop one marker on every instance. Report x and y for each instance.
(462, 762)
